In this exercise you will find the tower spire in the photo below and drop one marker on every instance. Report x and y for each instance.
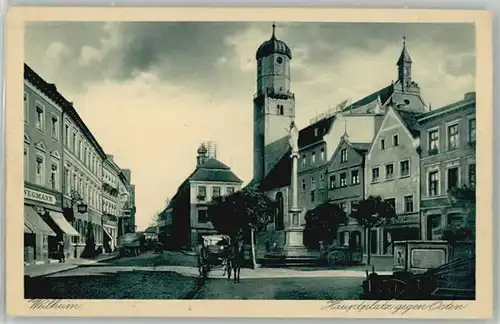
(274, 28)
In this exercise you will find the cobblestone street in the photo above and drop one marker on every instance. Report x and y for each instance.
(173, 275)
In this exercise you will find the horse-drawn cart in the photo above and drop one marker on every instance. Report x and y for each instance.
(424, 270)
(214, 251)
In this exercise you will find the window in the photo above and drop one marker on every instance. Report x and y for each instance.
(321, 181)
(343, 179)
(453, 137)
(303, 160)
(472, 130)
(472, 174)
(303, 185)
(67, 180)
(40, 170)
(389, 171)
(343, 206)
(230, 190)
(392, 202)
(66, 135)
(433, 142)
(315, 132)
(26, 109)
(202, 216)
(382, 144)
(74, 141)
(26, 162)
(404, 168)
(343, 155)
(332, 181)
(313, 184)
(85, 156)
(202, 192)
(433, 183)
(354, 177)
(80, 151)
(40, 120)
(313, 157)
(375, 174)
(313, 196)
(78, 147)
(215, 192)
(54, 175)
(395, 140)
(322, 154)
(453, 178)
(55, 128)
(408, 204)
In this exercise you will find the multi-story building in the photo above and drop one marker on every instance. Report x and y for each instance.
(393, 172)
(128, 208)
(448, 159)
(83, 170)
(189, 206)
(345, 176)
(63, 167)
(111, 206)
(44, 223)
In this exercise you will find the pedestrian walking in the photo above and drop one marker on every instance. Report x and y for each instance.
(60, 250)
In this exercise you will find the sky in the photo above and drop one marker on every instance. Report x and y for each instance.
(151, 92)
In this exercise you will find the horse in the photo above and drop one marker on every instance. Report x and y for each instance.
(236, 259)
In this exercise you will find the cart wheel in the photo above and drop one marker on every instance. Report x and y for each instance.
(394, 288)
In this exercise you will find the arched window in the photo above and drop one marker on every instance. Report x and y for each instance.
(279, 219)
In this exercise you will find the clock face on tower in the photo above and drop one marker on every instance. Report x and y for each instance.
(279, 60)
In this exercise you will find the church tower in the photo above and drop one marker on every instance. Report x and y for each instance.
(274, 103)
(407, 94)
(404, 68)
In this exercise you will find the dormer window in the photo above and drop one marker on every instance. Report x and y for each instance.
(315, 132)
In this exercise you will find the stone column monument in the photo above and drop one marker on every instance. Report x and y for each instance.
(294, 247)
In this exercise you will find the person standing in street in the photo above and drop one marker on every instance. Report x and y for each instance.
(62, 257)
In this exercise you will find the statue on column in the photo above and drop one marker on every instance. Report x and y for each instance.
(294, 137)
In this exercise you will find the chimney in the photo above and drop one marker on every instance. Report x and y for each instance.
(202, 155)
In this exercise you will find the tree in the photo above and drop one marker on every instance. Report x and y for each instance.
(245, 211)
(373, 212)
(322, 223)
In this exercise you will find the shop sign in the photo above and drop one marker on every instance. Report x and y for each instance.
(39, 196)
(407, 219)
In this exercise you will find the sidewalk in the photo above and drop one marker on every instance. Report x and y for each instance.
(39, 270)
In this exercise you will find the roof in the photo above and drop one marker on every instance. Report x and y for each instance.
(384, 94)
(214, 170)
(447, 107)
(404, 57)
(271, 46)
(410, 119)
(361, 148)
(307, 135)
(279, 176)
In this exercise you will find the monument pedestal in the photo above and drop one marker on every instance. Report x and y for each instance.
(294, 238)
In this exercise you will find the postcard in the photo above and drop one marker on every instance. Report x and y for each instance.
(223, 162)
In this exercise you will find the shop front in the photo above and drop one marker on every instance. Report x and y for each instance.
(351, 236)
(40, 234)
(405, 228)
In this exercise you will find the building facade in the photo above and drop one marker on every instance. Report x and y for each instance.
(128, 207)
(45, 224)
(111, 203)
(448, 137)
(345, 178)
(393, 172)
(188, 208)
(63, 168)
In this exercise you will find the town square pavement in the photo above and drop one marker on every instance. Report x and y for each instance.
(174, 275)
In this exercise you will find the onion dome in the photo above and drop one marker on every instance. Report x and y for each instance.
(273, 46)
(202, 149)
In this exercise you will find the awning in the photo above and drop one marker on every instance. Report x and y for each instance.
(28, 230)
(63, 224)
(107, 233)
(35, 223)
